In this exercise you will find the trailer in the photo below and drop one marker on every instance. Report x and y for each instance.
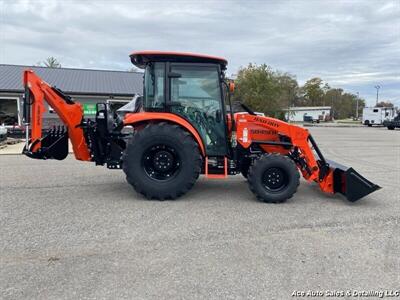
(377, 115)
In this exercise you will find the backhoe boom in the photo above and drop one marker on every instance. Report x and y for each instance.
(36, 92)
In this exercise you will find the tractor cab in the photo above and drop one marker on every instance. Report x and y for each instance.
(190, 86)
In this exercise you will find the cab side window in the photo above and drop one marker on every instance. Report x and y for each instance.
(154, 98)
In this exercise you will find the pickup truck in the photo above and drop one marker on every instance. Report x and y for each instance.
(392, 124)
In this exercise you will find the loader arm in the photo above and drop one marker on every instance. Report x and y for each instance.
(270, 134)
(55, 144)
(273, 135)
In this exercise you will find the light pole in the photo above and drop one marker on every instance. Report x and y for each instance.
(288, 111)
(377, 93)
(358, 97)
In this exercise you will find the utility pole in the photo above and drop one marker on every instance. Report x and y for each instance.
(377, 93)
(289, 102)
(358, 97)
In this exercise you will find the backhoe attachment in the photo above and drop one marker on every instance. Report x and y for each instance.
(54, 144)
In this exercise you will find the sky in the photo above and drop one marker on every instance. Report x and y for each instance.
(350, 44)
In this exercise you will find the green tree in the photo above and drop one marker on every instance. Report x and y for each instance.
(314, 92)
(265, 90)
(288, 89)
(384, 104)
(344, 105)
(50, 62)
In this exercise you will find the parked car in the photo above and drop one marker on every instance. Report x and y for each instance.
(16, 131)
(309, 119)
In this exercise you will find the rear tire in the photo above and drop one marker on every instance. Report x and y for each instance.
(273, 178)
(162, 161)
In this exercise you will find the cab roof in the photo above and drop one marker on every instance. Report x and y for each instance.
(141, 58)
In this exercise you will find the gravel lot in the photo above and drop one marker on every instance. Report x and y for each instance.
(72, 230)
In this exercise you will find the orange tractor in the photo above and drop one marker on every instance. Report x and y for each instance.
(181, 127)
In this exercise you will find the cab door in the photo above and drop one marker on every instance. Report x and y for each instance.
(195, 94)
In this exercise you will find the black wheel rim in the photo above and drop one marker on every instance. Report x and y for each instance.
(161, 162)
(275, 179)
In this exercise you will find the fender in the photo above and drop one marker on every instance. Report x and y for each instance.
(134, 118)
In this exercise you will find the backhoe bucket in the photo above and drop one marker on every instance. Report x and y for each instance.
(54, 145)
(349, 183)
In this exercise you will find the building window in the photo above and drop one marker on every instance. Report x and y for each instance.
(9, 111)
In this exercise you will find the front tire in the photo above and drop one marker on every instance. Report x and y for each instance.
(273, 178)
(162, 161)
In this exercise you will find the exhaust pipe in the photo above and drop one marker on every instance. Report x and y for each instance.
(350, 183)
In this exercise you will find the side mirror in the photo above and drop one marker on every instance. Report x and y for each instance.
(231, 87)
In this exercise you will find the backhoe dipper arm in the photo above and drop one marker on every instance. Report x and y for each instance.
(70, 113)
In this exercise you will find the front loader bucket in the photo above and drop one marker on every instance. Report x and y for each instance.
(349, 183)
(54, 145)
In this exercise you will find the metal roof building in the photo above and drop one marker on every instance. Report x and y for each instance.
(84, 85)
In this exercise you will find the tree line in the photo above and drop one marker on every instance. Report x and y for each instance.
(273, 92)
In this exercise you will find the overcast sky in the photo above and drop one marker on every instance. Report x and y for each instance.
(350, 44)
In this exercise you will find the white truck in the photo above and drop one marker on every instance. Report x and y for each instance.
(377, 115)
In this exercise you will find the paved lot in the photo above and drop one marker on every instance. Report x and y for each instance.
(73, 230)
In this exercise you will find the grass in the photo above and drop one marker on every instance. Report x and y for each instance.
(348, 121)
